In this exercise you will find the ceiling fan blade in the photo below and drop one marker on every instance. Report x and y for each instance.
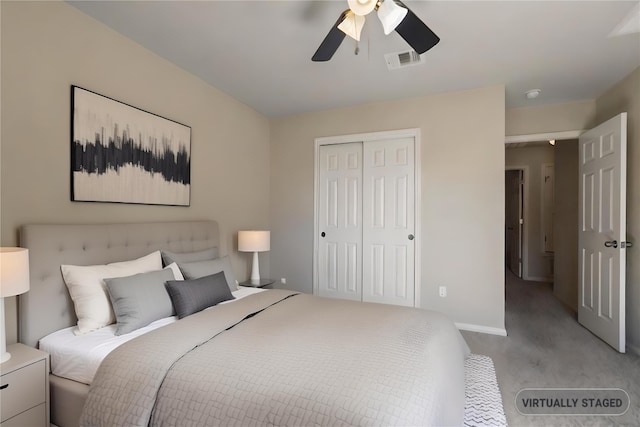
(416, 33)
(331, 42)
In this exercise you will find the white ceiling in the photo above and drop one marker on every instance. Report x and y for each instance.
(260, 52)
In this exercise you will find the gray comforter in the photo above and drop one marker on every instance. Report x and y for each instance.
(300, 360)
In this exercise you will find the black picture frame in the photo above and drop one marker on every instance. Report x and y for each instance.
(123, 154)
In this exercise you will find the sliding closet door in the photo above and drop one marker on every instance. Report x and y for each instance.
(366, 220)
(388, 222)
(340, 221)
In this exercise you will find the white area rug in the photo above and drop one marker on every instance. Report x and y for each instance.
(483, 406)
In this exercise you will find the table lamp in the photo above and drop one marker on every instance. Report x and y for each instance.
(14, 280)
(254, 241)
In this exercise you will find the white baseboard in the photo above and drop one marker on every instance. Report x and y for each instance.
(482, 329)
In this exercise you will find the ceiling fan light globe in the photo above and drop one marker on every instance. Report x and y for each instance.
(352, 25)
(362, 7)
(391, 15)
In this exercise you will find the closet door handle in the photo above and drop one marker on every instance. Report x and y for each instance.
(611, 243)
(2, 387)
(323, 234)
(411, 237)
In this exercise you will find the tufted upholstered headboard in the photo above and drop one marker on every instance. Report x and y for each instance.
(47, 306)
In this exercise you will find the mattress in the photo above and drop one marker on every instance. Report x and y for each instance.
(77, 357)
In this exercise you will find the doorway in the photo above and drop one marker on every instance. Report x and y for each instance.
(549, 214)
(535, 206)
(600, 226)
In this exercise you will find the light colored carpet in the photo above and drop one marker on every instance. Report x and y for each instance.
(546, 347)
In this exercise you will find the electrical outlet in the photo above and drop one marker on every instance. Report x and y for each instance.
(283, 280)
(443, 291)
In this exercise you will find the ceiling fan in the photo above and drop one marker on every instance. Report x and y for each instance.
(393, 15)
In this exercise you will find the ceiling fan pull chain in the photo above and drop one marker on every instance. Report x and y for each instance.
(357, 51)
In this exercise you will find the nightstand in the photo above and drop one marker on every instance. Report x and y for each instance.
(24, 387)
(263, 283)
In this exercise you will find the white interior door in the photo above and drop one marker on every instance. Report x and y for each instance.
(389, 222)
(602, 230)
(340, 221)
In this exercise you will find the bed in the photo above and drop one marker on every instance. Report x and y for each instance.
(274, 357)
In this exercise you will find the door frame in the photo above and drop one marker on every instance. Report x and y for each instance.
(533, 137)
(525, 217)
(364, 138)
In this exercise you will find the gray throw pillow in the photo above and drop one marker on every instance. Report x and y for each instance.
(140, 299)
(194, 270)
(192, 296)
(169, 257)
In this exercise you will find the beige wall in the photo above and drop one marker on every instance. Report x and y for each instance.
(550, 118)
(625, 96)
(565, 224)
(462, 224)
(47, 47)
(538, 265)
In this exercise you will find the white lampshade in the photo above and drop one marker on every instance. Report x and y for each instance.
(352, 25)
(14, 271)
(391, 15)
(14, 280)
(254, 241)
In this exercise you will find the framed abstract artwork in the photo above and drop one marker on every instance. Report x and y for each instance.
(123, 154)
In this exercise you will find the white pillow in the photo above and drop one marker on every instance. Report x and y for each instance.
(176, 271)
(88, 290)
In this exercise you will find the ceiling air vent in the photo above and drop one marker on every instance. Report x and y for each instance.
(403, 59)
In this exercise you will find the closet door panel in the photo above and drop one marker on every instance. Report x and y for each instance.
(388, 242)
(340, 219)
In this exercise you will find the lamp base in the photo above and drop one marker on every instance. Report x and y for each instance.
(4, 354)
(255, 269)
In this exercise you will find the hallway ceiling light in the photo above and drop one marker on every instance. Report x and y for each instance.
(552, 141)
(533, 93)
